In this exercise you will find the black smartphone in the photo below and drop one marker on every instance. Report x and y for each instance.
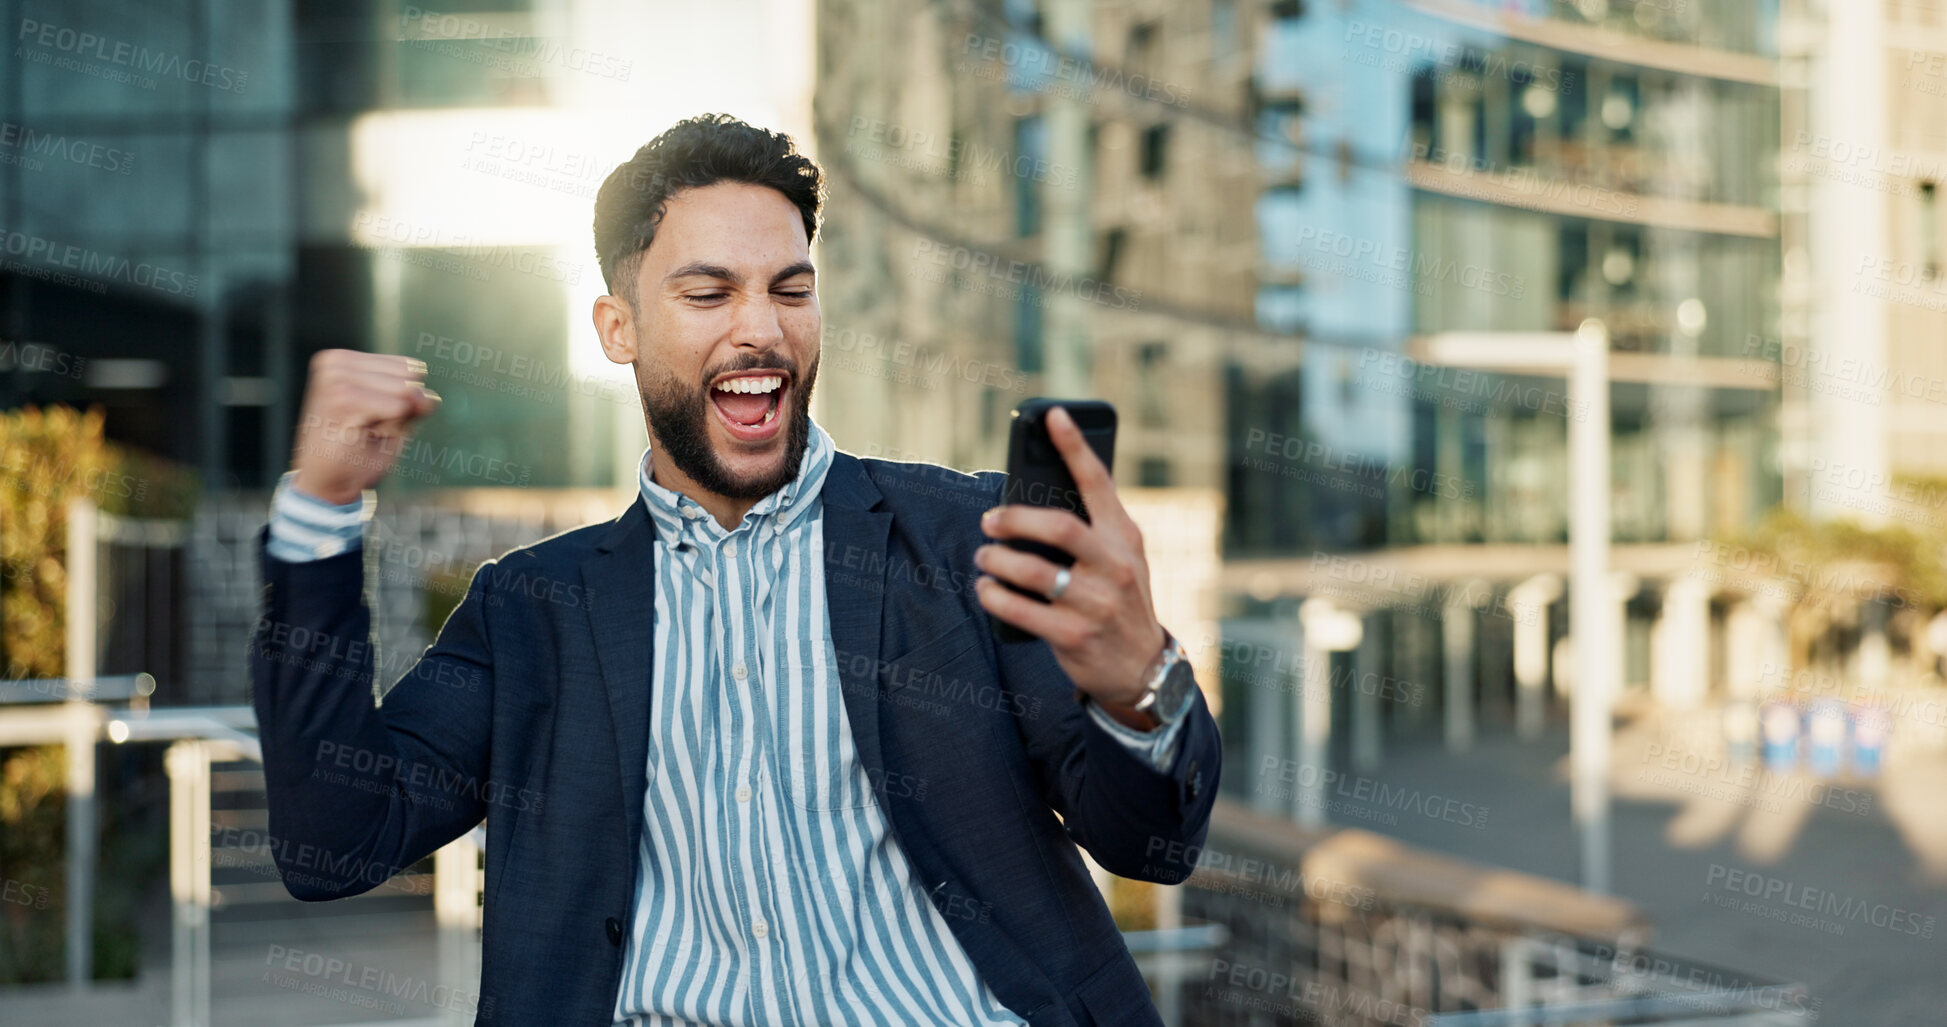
(1037, 476)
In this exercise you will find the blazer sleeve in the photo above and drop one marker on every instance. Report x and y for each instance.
(1136, 820)
(360, 787)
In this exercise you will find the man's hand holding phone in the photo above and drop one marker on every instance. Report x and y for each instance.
(1102, 626)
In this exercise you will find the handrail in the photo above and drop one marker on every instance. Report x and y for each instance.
(232, 725)
(1348, 918)
(201, 735)
(1631, 1009)
(1406, 876)
(1189, 938)
(73, 712)
(108, 688)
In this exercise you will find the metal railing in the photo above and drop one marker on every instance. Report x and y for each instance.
(63, 711)
(1344, 927)
(201, 739)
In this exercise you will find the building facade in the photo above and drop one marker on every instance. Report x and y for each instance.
(198, 196)
(1265, 231)
(1861, 168)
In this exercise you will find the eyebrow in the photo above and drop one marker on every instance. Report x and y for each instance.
(698, 269)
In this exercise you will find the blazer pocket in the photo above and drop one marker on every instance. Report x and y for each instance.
(920, 662)
(1116, 996)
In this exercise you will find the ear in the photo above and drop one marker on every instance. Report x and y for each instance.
(615, 325)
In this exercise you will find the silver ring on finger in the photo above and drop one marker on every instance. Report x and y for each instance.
(1062, 578)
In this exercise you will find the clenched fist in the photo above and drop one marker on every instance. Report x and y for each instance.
(358, 410)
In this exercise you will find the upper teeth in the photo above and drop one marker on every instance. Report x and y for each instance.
(763, 384)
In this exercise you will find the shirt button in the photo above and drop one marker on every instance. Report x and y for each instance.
(761, 929)
(743, 793)
(738, 671)
(730, 549)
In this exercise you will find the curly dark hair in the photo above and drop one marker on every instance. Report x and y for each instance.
(694, 152)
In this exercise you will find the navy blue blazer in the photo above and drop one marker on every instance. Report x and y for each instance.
(531, 710)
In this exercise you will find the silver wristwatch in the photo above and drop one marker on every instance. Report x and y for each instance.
(1167, 692)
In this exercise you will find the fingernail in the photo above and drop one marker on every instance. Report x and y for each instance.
(988, 517)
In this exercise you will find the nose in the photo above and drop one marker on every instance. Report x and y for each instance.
(758, 326)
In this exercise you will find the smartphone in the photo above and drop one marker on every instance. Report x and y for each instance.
(1037, 476)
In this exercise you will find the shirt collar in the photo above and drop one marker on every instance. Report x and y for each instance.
(672, 511)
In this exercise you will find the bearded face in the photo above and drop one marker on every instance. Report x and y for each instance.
(753, 396)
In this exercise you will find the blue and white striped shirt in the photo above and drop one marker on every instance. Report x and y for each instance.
(770, 889)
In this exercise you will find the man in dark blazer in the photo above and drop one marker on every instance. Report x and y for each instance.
(561, 699)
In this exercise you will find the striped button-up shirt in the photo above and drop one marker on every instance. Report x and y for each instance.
(770, 888)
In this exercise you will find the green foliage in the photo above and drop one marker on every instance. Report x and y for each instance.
(49, 457)
(145, 485)
(132, 857)
(32, 845)
(1811, 553)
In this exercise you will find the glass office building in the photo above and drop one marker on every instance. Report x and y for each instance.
(1310, 203)
(1459, 169)
(199, 196)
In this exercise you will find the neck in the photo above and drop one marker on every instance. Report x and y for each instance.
(725, 510)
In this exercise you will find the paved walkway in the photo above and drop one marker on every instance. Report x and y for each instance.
(307, 966)
(1842, 887)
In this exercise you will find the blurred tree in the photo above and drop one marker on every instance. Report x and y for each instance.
(31, 846)
(48, 457)
(1835, 563)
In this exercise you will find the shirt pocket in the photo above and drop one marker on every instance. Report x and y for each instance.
(825, 781)
(813, 752)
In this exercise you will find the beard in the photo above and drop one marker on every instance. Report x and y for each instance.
(679, 415)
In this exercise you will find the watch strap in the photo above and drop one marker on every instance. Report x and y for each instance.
(1158, 673)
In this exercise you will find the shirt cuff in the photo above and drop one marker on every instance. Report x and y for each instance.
(305, 528)
(1158, 747)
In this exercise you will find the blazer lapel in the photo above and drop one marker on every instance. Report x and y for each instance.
(621, 584)
(855, 592)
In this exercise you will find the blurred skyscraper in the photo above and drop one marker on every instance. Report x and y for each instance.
(198, 195)
(1266, 231)
(1865, 303)
(1257, 227)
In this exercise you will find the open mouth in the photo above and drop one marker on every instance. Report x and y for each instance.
(748, 403)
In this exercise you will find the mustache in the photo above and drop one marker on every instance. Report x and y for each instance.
(767, 362)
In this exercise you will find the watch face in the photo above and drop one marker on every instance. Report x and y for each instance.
(1172, 699)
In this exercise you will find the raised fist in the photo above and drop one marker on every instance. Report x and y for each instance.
(358, 410)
